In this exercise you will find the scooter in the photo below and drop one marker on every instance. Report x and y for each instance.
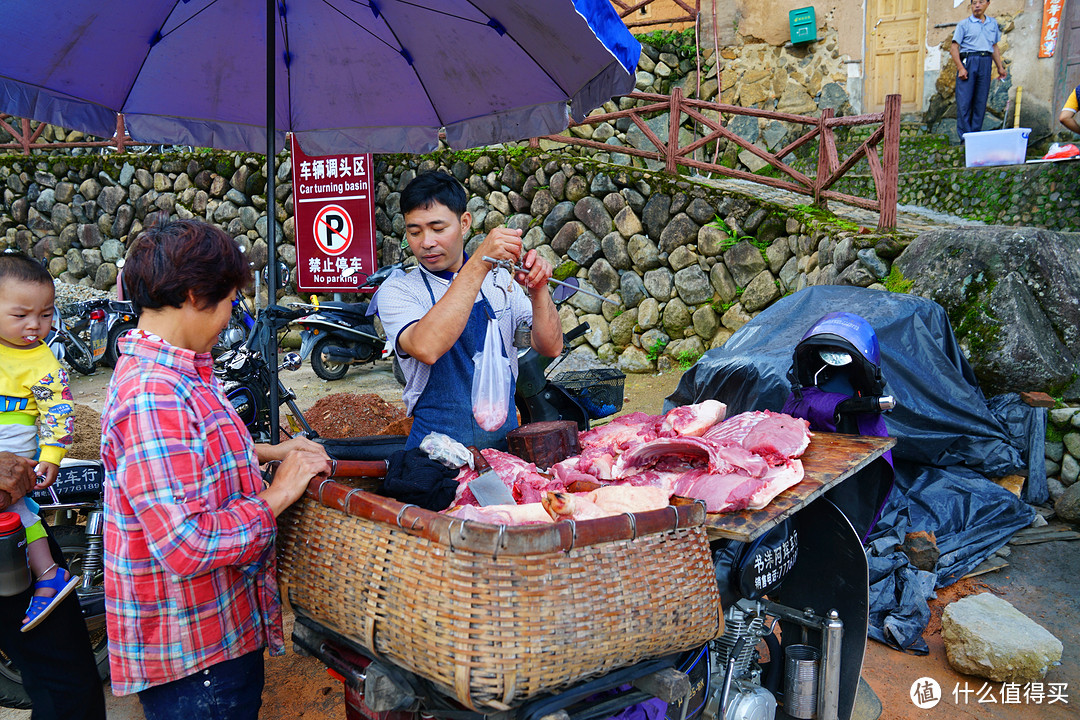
(336, 335)
(73, 506)
(79, 335)
(120, 316)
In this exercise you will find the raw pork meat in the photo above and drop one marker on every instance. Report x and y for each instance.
(778, 437)
(777, 480)
(694, 419)
(720, 458)
(528, 514)
(524, 479)
(722, 492)
(604, 501)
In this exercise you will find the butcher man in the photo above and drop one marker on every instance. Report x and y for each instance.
(437, 315)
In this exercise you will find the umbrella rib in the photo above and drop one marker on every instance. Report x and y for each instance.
(523, 49)
(359, 25)
(159, 37)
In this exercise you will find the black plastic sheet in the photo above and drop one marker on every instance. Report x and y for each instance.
(950, 439)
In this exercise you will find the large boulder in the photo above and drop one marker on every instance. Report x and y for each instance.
(987, 637)
(1013, 297)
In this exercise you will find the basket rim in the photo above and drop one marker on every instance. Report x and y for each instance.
(503, 540)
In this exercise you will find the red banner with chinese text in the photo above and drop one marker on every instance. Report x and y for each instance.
(335, 220)
(1051, 27)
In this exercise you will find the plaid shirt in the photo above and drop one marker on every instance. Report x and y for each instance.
(190, 575)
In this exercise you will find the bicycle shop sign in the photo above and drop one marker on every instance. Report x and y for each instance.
(335, 220)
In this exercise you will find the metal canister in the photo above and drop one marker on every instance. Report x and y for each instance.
(14, 568)
(801, 681)
(523, 335)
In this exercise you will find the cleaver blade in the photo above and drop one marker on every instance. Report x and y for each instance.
(488, 487)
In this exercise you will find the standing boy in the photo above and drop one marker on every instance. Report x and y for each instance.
(974, 46)
(437, 314)
(36, 413)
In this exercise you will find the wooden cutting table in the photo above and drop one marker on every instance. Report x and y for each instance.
(830, 459)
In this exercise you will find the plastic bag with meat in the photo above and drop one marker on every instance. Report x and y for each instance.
(492, 381)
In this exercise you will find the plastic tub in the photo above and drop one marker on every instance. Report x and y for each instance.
(996, 147)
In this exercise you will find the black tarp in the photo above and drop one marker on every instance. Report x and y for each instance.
(950, 438)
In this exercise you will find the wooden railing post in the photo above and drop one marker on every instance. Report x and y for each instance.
(673, 131)
(891, 164)
(25, 139)
(121, 134)
(823, 165)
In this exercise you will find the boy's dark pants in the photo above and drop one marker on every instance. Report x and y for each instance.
(971, 94)
(55, 658)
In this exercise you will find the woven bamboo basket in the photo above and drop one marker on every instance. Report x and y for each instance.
(494, 615)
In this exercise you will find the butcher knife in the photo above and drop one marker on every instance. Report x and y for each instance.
(488, 487)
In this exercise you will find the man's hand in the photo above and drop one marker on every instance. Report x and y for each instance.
(501, 243)
(1002, 72)
(535, 272)
(17, 478)
(961, 73)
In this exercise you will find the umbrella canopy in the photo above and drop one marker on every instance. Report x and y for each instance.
(350, 75)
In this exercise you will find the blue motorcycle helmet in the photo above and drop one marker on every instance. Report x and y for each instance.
(840, 343)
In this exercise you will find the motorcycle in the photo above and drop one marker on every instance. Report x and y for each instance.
(79, 335)
(75, 504)
(336, 335)
(241, 322)
(120, 316)
(245, 376)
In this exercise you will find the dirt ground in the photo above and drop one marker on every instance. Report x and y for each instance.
(1041, 581)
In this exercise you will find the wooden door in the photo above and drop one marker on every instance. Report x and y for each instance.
(895, 50)
(1068, 52)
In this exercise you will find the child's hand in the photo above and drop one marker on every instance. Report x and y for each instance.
(46, 472)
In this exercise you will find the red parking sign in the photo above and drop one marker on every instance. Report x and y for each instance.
(335, 220)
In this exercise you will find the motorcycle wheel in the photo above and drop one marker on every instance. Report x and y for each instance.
(112, 352)
(398, 374)
(81, 360)
(327, 370)
(72, 542)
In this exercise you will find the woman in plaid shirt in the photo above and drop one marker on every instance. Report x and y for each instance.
(190, 586)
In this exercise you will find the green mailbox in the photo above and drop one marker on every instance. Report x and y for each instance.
(803, 25)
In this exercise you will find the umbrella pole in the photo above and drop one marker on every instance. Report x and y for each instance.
(270, 351)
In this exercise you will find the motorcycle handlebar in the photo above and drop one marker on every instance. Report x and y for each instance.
(870, 404)
(576, 332)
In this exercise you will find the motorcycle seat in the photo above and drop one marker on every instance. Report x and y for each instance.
(358, 308)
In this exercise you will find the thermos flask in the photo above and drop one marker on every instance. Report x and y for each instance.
(14, 569)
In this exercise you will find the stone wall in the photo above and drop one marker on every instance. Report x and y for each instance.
(687, 266)
(1063, 460)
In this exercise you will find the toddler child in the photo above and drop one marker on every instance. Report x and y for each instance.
(35, 412)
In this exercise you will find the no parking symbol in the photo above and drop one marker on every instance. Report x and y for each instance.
(333, 229)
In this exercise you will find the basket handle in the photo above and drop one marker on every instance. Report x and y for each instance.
(358, 468)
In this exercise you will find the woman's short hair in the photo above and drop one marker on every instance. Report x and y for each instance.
(168, 262)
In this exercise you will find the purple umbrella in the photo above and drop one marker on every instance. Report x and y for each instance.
(377, 76)
(343, 75)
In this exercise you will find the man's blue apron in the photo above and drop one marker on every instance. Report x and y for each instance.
(445, 405)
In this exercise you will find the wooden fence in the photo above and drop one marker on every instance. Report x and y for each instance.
(884, 170)
(626, 8)
(27, 138)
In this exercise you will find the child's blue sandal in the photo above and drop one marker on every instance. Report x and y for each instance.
(62, 584)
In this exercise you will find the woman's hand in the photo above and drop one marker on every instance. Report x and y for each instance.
(268, 453)
(16, 478)
(292, 478)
